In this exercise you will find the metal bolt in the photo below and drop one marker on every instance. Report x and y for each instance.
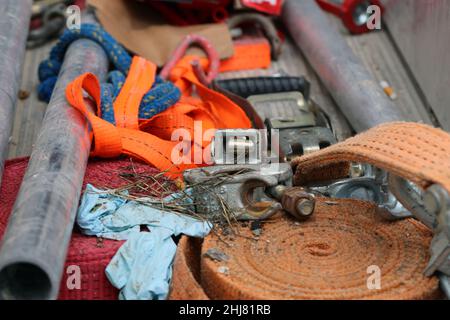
(305, 207)
(298, 202)
(277, 191)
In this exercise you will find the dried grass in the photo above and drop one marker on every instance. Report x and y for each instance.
(151, 189)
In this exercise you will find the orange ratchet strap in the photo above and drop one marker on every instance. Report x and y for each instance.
(248, 54)
(330, 255)
(413, 151)
(150, 140)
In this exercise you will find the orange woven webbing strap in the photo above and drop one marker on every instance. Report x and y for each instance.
(413, 151)
(151, 140)
(248, 54)
(333, 254)
(330, 256)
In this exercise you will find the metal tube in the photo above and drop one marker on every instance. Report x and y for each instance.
(354, 89)
(35, 245)
(13, 36)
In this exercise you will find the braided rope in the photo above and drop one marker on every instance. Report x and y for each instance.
(161, 96)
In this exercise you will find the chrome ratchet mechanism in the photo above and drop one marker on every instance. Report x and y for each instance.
(299, 126)
(240, 176)
(431, 207)
(248, 179)
(257, 184)
(238, 189)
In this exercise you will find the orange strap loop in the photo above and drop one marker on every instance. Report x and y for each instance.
(151, 140)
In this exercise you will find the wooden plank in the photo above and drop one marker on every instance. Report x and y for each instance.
(29, 112)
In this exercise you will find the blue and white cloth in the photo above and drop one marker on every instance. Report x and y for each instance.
(142, 267)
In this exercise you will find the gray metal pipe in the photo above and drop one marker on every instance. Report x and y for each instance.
(35, 245)
(354, 89)
(14, 25)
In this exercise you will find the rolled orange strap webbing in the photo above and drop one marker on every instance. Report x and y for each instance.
(344, 247)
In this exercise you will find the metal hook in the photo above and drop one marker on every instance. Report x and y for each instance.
(211, 52)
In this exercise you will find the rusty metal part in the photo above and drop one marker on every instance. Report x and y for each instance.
(295, 200)
(354, 89)
(13, 33)
(35, 244)
(211, 52)
(241, 188)
(265, 23)
(298, 202)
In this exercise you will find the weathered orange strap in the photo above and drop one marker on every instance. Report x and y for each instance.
(329, 256)
(413, 151)
(150, 140)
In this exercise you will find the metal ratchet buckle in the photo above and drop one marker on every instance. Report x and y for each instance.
(397, 198)
(299, 128)
(250, 179)
(241, 188)
(239, 178)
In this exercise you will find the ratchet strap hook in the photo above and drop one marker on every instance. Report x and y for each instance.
(211, 52)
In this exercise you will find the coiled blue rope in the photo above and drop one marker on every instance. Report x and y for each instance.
(161, 96)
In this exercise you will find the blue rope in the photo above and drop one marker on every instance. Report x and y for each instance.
(161, 96)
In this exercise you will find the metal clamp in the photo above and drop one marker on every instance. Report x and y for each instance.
(237, 189)
(365, 183)
(412, 198)
(296, 140)
(299, 130)
(431, 207)
(437, 202)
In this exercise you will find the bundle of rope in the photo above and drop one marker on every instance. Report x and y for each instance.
(160, 96)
